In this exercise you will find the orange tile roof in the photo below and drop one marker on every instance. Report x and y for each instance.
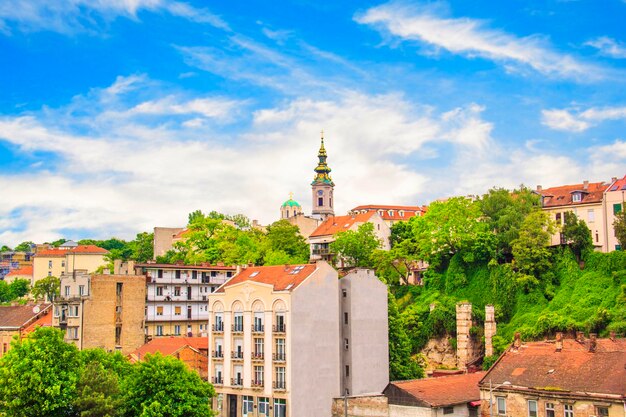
(16, 317)
(27, 270)
(44, 320)
(409, 211)
(562, 196)
(81, 249)
(335, 224)
(619, 185)
(441, 391)
(281, 277)
(182, 233)
(574, 368)
(171, 345)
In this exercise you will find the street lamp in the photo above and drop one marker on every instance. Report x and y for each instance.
(491, 388)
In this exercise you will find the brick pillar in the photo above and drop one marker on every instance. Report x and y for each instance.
(463, 325)
(490, 328)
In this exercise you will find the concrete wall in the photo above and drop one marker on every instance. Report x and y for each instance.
(361, 406)
(314, 368)
(163, 237)
(365, 303)
(306, 224)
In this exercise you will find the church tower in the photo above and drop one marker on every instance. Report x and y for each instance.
(323, 187)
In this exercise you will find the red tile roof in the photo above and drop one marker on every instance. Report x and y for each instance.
(562, 196)
(44, 320)
(171, 345)
(442, 391)
(619, 185)
(281, 277)
(335, 224)
(16, 317)
(539, 366)
(27, 270)
(81, 249)
(408, 211)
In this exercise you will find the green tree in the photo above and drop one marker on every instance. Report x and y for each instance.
(164, 386)
(530, 249)
(619, 225)
(401, 365)
(284, 237)
(38, 376)
(356, 248)
(5, 292)
(19, 288)
(5, 248)
(24, 246)
(142, 248)
(47, 288)
(577, 234)
(58, 242)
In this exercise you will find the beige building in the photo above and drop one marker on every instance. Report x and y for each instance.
(585, 200)
(566, 377)
(177, 296)
(391, 214)
(102, 311)
(324, 235)
(57, 261)
(614, 202)
(164, 239)
(285, 340)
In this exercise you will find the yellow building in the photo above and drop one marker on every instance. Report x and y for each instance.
(57, 261)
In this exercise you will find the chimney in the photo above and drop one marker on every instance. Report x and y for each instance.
(613, 179)
(517, 342)
(539, 188)
(490, 328)
(117, 266)
(585, 184)
(612, 336)
(559, 341)
(131, 268)
(592, 342)
(580, 337)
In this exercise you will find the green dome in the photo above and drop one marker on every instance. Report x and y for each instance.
(291, 203)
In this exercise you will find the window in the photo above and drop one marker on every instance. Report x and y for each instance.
(347, 370)
(213, 274)
(568, 410)
(159, 290)
(264, 407)
(616, 209)
(159, 330)
(56, 311)
(344, 293)
(73, 311)
(218, 374)
(159, 310)
(258, 375)
(194, 274)
(176, 290)
(280, 407)
(178, 274)
(280, 323)
(558, 218)
(532, 408)
(229, 274)
(320, 201)
(448, 410)
(238, 326)
(49, 264)
(219, 324)
(549, 409)
(177, 330)
(72, 333)
(346, 344)
(591, 216)
(49, 273)
(258, 347)
(280, 377)
(177, 310)
(238, 373)
(62, 264)
(67, 291)
(258, 321)
(280, 349)
(602, 411)
(247, 406)
(159, 273)
(502, 405)
(577, 197)
(81, 290)
(118, 336)
(345, 318)
(118, 289)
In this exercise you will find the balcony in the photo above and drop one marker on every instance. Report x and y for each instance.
(257, 383)
(279, 328)
(237, 328)
(218, 328)
(257, 356)
(237, 355)
(280, 385)
(258, 328)
(236, 382)
(279, 357)
(217, 380)
(217, 354)
(322, 251)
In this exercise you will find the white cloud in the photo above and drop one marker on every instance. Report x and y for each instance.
(472, 38)
(72, 16)
(608, 47)
(579, 121)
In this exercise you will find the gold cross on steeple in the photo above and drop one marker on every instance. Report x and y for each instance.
(291, 196)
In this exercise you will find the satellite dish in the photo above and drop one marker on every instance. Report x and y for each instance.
(36, 309)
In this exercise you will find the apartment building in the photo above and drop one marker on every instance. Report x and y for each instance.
(563, 377)
(391, 214)
(177, 297)
(285, 340)
(325, 233)
(102, 311)
(614, 202)
(66, 259)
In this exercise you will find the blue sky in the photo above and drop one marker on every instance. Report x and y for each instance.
(120, 115)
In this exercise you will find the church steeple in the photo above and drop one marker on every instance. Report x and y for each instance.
(323, 186)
